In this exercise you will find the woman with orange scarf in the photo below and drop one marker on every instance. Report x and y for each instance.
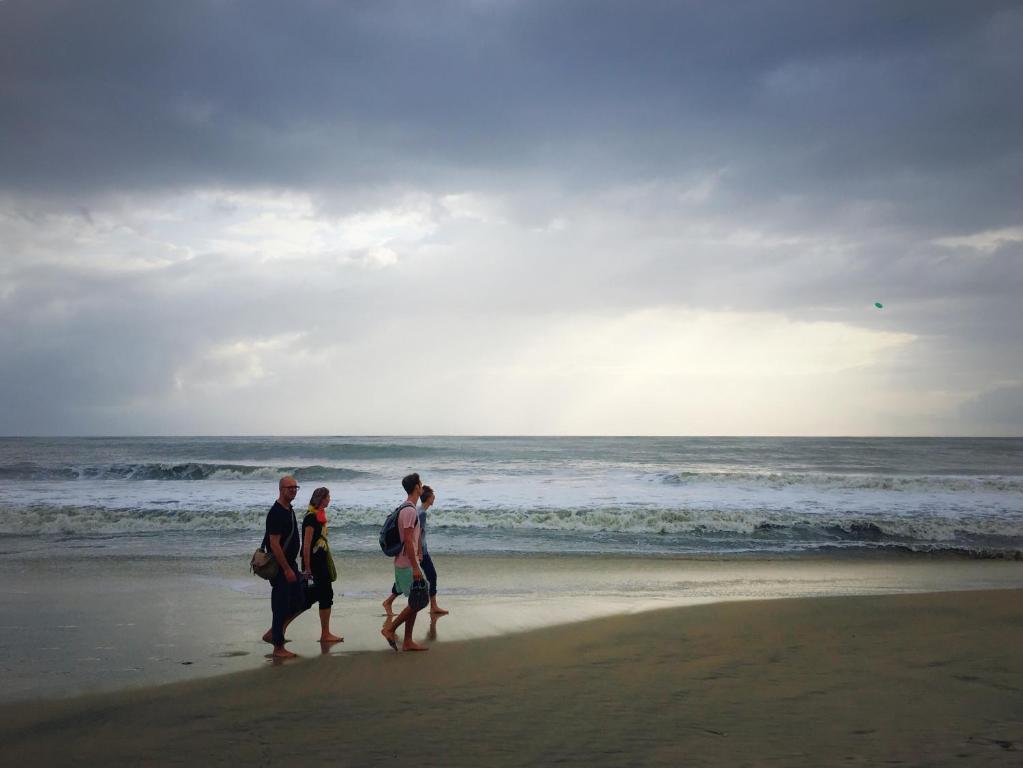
(317, 562)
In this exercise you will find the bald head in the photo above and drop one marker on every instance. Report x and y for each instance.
(288, 490)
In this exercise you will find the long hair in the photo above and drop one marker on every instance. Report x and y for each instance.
(318, 496)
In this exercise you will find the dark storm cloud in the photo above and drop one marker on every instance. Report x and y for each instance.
(832, 99)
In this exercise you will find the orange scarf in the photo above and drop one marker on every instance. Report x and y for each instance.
(321, 514)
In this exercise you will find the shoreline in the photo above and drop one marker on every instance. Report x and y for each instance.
(83, 625)
(930, 678)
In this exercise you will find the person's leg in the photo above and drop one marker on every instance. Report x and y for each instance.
(390, 627)
(403, 583)
(280, 605)
(288, 621)
(326, 636)
(430, 573)
(409, 644)
(431, 576)
(298, 599)
(326, 597)
(279, 610)
(389, 600)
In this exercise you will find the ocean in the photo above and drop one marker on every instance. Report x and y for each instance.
(124, 561)
(689, 496)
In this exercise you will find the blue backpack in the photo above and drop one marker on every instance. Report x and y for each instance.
(390, 537)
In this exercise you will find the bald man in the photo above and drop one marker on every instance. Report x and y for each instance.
(287, 598)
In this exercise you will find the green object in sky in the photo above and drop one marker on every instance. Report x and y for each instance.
(879, 305)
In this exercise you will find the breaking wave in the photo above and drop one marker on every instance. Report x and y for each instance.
(672, 530)
(858, 482)
(172, 471)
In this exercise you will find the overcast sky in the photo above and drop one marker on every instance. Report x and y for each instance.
(511, 217)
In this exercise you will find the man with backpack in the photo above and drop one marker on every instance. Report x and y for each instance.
(406, 565)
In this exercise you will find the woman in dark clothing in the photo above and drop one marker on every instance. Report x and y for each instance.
(317, 562)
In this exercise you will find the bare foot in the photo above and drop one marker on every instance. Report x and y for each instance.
(413, 646)
(438, 611)
(329, 638)
(283, 653)
(267, 638)
(389, 637)
(387, 605)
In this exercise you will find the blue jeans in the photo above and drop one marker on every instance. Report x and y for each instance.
(286, 601)
(428, 571)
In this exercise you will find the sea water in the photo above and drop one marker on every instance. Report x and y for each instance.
(735, 496)
(124, 561)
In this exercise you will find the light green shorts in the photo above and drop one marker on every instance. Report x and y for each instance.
(403, 580)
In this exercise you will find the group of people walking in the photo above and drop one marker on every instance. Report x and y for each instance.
(294, 590)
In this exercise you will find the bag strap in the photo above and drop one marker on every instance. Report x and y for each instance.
(294, 524)
(287, 541)
(407, 504)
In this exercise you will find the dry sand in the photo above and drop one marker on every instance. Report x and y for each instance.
(929, 679)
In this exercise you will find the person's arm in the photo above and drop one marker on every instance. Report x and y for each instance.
(282, 561)
(307, 545)
(410, 552)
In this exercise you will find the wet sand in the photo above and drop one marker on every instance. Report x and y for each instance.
(85, 625)
(921, 679)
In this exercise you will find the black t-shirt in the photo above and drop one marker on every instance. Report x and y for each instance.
(281, 521)
(310, 521)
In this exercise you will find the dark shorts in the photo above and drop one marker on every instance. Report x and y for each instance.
(319, 592)
(322, 591)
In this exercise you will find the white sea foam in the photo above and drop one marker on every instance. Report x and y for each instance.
(857, 481)
(675, 494)
(736, 526)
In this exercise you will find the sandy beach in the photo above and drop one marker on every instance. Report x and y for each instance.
(925, 679)
(85, 625)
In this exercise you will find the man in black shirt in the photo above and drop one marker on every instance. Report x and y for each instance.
(287, 598)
